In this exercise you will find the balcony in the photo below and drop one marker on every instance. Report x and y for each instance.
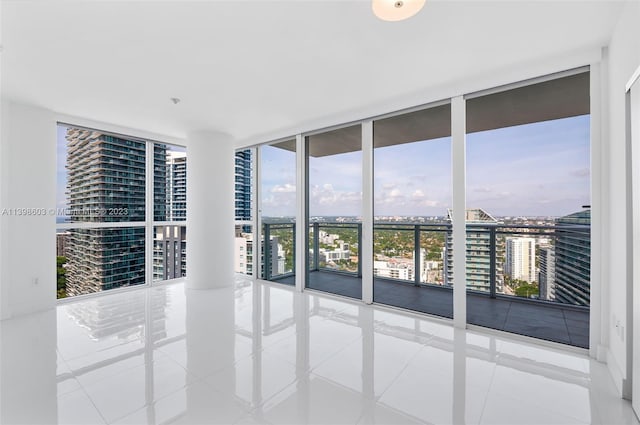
(495, 302)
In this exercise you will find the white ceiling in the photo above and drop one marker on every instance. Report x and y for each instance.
(257, 67)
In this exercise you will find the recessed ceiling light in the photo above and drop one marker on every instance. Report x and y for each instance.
(396, 10)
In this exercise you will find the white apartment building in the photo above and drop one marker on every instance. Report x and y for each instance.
(339, 252)
(327, 238)
(404, 268)
(520, 258)
(243, 255)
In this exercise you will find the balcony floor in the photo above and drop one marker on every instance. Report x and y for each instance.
(557, 323)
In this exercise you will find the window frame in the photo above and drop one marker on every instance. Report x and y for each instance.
(148, 223)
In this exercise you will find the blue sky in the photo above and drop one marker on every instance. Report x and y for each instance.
(278, 169)
(534, 169)
(539, 169)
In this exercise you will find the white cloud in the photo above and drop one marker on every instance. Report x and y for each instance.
(283, 188)
(395, 193)
(333, 202)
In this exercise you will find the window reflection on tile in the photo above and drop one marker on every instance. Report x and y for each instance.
(262, 353)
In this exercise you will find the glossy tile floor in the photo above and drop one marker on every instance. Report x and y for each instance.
(265, 354)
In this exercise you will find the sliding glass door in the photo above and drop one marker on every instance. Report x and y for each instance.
(334, 211)
(277, 206)
(528, 238)
(412, 196)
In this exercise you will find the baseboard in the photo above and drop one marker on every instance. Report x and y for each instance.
(618, 376)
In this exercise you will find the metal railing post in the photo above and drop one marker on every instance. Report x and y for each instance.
(416, 255)
(293, 266)
(492, 262)
(267, 251)
(316, 246)
(359, 229)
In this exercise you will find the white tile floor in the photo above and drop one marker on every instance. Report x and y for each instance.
(264, 354)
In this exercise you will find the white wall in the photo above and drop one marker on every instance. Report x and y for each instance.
(28, 179)
(624, 58)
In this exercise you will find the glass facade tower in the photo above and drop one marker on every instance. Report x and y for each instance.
(478, 252)
(573, 258)
(243, 185)
(106, 183)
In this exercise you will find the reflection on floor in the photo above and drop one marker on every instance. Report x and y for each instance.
(263, 353)
(557, 323)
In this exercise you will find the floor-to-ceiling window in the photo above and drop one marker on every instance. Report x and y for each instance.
(527, 235)
(528, 209)
(170, 212)
(107, 206)
(277, 206)
(334, 211)
(412, 195)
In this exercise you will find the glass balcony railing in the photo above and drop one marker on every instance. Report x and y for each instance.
(546, 263)
(335, 247)
(530, 280)
(279, 253)
(412, 253)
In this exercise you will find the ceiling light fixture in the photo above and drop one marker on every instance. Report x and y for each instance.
(396, 10)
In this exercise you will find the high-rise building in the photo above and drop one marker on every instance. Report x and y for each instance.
(520, 258)
(106, 183)
(478, 249)
(169, 244)
(547, 272)
(244, 255)
(243, 185)
(573, 258)
(176, 185)
(244, 237)
(169, 252)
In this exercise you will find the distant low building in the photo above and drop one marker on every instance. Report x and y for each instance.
(340, 252)
(326, 238)
(403, 268)
(394, 269)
